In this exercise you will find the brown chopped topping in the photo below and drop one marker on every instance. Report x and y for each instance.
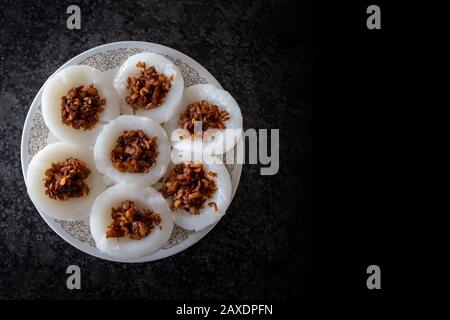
(130, 220)
(81, 106)
(212, 174)
(213, 205)
(148, 89)
(65, 180)
(189, 186)
(208, 114)
(134, 152)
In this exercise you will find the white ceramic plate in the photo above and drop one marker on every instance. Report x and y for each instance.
(36, 136)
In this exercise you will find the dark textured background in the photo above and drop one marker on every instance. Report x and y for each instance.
(262, 52)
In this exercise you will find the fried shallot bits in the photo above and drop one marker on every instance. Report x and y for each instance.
(148, 89)
(149, 85)
(188, 186)
(81, 106)
(63, 182)
(198, 193)
(134, 152)
(132, 149)
(76, 102)
(208, 118)
(130, 221)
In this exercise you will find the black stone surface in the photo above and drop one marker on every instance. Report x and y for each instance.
(262, 52)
